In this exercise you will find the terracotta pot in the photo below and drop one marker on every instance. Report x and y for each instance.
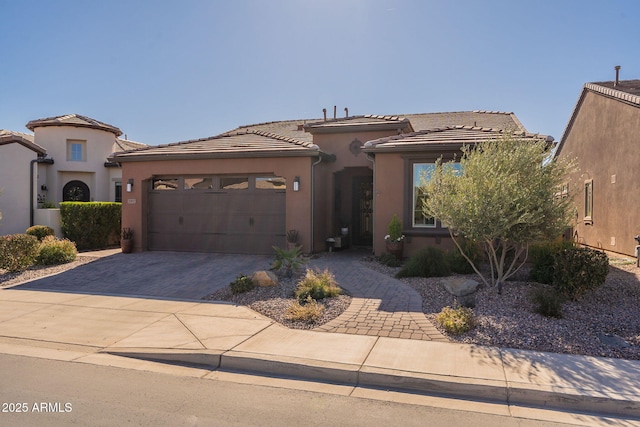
(395, 248)
(126, 245)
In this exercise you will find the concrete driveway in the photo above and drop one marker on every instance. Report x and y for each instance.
(174, 275)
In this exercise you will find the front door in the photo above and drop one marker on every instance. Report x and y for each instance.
(362, 211)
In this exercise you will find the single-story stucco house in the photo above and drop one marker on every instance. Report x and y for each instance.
(243, 190)
(66, 158)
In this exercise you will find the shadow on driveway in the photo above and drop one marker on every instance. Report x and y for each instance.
(172, 275)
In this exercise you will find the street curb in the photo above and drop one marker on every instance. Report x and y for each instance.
(551, 398)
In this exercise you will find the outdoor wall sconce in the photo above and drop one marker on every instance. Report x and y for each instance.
(296, 183)
(43, 187)
(129, 185)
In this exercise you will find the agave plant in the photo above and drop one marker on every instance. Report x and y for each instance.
(288, 260)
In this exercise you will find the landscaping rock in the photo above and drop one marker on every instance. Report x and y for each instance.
(463, 289)
(264, 278)
(613, 340)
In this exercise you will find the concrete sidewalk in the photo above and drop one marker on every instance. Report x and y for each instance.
(219, 337)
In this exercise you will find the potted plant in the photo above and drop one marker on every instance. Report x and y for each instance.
(126, 240)
(395, 239)
(292, 239)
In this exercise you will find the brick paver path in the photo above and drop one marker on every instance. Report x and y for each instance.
(380, 306)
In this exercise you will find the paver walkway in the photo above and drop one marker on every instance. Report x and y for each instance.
(381, 305)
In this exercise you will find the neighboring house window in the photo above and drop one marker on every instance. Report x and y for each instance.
(76, 150)
(420, 171)
(588, 200)
(118, 189)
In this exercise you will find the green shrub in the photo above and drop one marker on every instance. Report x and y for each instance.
(288, 260)
(40, 231)
(577, 271)
(241, 284)
(310, 312)
(56, 251)
(91, 225)
(427, 262)
(543, 257)
(389, 260)
(18, 252)
(317, 285)
(456, 320)
(547, 301)
(395, 229)
(458, 262)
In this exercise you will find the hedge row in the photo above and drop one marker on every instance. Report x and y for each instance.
(91, 225)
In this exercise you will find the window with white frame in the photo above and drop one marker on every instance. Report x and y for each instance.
(588, 200)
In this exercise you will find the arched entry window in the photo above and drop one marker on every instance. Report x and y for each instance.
(75, 191)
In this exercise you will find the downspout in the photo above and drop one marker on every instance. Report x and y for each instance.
(372, 159)
(46, 160)
(313, 201)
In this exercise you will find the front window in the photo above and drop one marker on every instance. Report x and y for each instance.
(420, 218)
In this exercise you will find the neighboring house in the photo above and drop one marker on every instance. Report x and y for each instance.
(18, 158)
(603, 136)
(72, 153)
(241, 191)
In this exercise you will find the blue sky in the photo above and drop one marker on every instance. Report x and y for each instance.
(167, 71)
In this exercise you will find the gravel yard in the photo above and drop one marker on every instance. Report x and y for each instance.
(604, 323)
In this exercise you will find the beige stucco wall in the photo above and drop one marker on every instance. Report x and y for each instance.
(92, 172)
(604, 141)
(15, 187)
(298, 204)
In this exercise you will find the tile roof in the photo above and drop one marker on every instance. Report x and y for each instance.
(126, 145)
(481, 118)
(278, 137)
(252, 143)
(449, 135)
(25, 139)
(288, 128)
(366, 121)
(73, 120)
(625, 90)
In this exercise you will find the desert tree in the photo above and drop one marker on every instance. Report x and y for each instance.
(504, 194)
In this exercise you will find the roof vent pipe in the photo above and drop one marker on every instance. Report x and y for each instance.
(346, 112)
(324, 111)
(334, 112)
(617, 67)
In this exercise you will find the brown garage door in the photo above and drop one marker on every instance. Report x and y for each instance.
(216, 214)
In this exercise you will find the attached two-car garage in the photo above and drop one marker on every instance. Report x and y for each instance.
(226, 214)
(239, 192)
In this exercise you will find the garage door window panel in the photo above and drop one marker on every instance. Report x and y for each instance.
(234, 183)
(271, 183)
(170, 184)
